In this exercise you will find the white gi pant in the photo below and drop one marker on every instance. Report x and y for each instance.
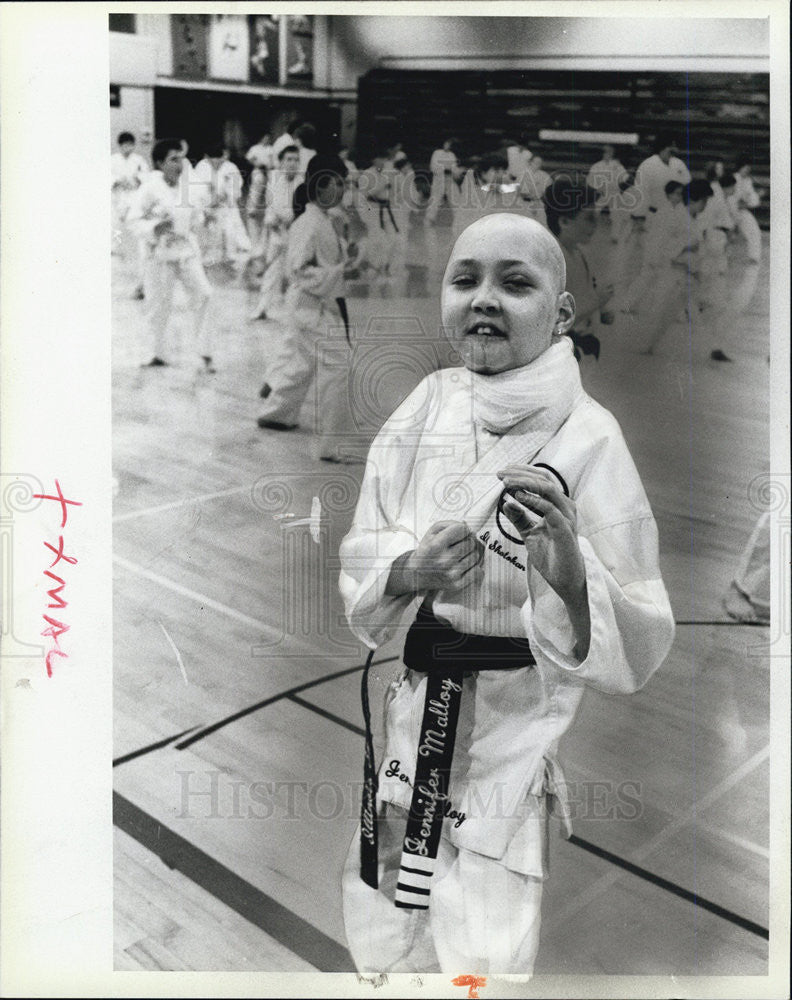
(160, 280)
(483, 918)
(312, 345)
(749, 227)
(271, 297)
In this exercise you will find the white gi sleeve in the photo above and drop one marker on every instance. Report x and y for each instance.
(145, 213)
(303, 267)
(383, 527)
(632, 626)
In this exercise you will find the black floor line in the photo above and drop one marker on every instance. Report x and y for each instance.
(142, 751)
(672, 887)
(327, 715)
(728, 621)
(270, 916)
(208, 730)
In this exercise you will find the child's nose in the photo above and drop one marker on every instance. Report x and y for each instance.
(485, 298)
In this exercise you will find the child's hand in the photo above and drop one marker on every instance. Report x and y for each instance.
(447, 558)
(551, 544)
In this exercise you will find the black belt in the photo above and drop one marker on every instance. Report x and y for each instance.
(342, 309)
(383, 207)
(442, 653)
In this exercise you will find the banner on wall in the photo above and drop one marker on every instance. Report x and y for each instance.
(189, 37)
(229, 47)
(299, 49)
(264, 34)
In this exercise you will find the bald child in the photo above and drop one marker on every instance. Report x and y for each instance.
(503, 538)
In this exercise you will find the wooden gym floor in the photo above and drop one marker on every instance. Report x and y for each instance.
(237, 717)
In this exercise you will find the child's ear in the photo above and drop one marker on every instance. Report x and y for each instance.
(566, 314)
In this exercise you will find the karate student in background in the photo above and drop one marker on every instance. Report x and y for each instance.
(518, 157)
(445, 170)
(572, 218)
(305, 141)
(666, 237)
(217, 181)
(677, 284)
(278, 216)
(315, 317)
(128, 170)
(376, 186)
(654, 173)
(488, 188)
(609, 179)
(501, 504)
(744, 199)
(167, 223)
(260, 155)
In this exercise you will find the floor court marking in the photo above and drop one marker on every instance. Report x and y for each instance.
(605, 881)
(176, 504)
(202, 599)
(327, 715)
(151, 747)
(672, 887)
(273, 918)
(208, 730)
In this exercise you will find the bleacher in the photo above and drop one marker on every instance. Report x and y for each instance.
(714, 115)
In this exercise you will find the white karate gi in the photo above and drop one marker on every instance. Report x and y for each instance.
(443, 166)
(127, 173)
(260, 156)
(606, 177)
(431, 462)
(375, 206)
(651, 177)
(518, 159)
(171, 256)
(742, 200)
(224, 237)
(278, 216)
(667, 235)
(477, 200)
(314, 329)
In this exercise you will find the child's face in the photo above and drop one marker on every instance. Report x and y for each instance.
(694, 207)
(127, 147)
(744, 170)
(290, 164)
(331, 194)
(502, 294)
(675, 197)
(172, 166)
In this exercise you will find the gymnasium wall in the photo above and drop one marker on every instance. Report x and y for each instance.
(357, 44)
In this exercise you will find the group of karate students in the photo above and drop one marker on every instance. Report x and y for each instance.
(499, 507)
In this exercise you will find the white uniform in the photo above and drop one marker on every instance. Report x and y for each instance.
(742, 200)
(315, 261)
(478, 200)
(127, 173)
(435, 460)
(375, 206)
(666, 237)
(443, 166)
(219, 191)
(606, 177)
(518, 159)
(171, 256)
(278, 216)
(651, 177)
